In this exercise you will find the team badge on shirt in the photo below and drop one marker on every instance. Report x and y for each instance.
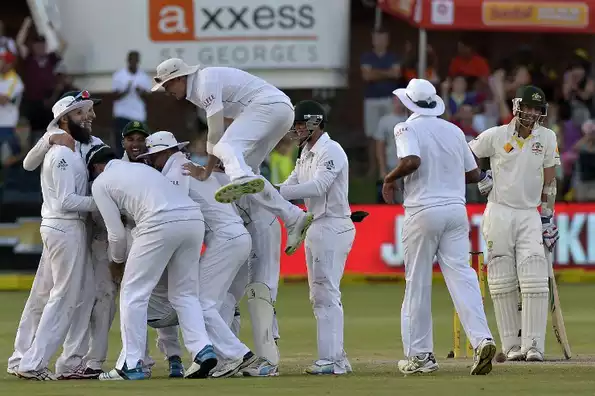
(329, 165)
(62, 165)
(508, 147)
(537, 148)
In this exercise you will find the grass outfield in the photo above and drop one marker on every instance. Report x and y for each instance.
(373, 343)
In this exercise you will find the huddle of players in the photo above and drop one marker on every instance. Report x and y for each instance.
(82, 318)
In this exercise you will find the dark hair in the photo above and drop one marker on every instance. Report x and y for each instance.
(99, 154)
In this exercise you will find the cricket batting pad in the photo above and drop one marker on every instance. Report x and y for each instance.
(504, 290)
(533, 279)
(260, 306)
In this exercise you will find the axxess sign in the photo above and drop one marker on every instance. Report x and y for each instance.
(237, 20)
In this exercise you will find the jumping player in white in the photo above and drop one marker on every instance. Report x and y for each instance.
(261, 114)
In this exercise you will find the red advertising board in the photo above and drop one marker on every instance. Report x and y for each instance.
(378, 249)
(548, 16)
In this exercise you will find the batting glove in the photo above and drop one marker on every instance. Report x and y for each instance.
(549, 232)
(486, 183)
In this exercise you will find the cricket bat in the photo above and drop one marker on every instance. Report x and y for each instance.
(556, 310)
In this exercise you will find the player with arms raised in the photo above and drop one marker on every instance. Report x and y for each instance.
(523, 156)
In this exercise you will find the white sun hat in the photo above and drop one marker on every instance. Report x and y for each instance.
(160, 141)
(170, 69)
(68, 104)
(420, 97)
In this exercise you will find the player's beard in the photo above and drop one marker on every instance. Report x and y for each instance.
(79, 132)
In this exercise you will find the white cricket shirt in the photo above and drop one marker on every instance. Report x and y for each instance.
(321, 179)
(231, 90)
(445, 158)
(64, 186)
(217, 216)
(141, 193)
(517, 164)
(131, 106)
(12, 87)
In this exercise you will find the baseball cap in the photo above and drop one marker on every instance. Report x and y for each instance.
(135, 127)
(532, 96)
(75, 94)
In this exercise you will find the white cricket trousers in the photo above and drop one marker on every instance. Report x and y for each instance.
(327, 244)
(264, 263)
(175, 245)
(441, 231)
(91, 349)
(226, 251)
(54, 297)
(248, 141)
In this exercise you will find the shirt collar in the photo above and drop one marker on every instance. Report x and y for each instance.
(108, 165)
(190, 81)
(171, 160)
(319, 143)
(415, 116)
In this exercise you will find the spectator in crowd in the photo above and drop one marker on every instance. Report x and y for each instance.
(410, 65)
(464, 120)
(38, 74)
(578, 89)
(386, 149)
(198, 150)
(7, 44)
(381, 71)
(469, 64)
(585, 166)
(131, 87)
(455, 94)
(63, 84)
(11, 91)
(520, 77)
(282, 160)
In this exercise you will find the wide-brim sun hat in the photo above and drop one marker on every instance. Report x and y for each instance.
(161, 141)
(68, 104)
(420, 97)
(170, 69)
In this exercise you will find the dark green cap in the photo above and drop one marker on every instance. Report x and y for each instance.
(135, 127)
(532, 96)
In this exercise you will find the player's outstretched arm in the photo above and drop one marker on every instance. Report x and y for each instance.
(116, 233)
(35, 156)
(64, 179)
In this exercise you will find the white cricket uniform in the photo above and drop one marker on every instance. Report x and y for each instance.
(436, 225)
(98, 302)
(228, 246)
(169, 233)
(60, 277)
(262, 115)
(321, 179)
(264, 261)
(512, 228)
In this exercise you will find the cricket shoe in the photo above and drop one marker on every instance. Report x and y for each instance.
(203, 363)
(232, 367)
(238, 188)
(482, 360)
(533, 355)
(78, 373)
(296, 233)
(515, 354)
(37, 375)
(423, 363)
(176, 368)
(12, 370)
(137, 373)
(326, 367)
(261, 368)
